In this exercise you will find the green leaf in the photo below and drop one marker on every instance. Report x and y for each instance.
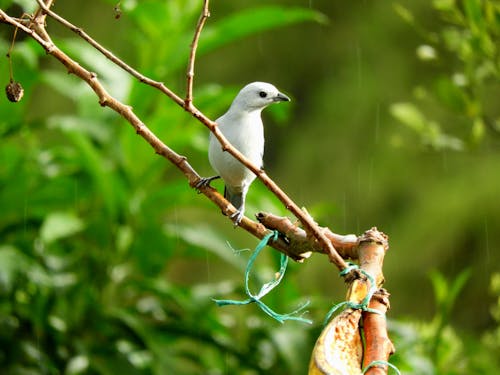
(447, 293)
(441, 141)
(252, 21)
(457, 285)
(444, 5)
(59, 225)
(77, 365)
(478, 130)
(404, 13)
(440, 286)
(12, 262)
(27, 5)
(429, 131)
(409, 115)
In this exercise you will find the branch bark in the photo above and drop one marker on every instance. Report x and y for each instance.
(300, 242)
(205, 13)
(378, 346)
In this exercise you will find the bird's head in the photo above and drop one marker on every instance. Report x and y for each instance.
(257, 96)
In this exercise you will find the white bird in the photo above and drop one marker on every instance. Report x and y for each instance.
(242, 126)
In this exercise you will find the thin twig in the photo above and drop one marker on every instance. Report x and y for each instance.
(205, 13)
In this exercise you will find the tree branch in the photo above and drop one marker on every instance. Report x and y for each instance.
(378, 345)
(308, 223)
(254, 228)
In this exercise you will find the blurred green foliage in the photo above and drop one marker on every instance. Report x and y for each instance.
(109, 262)
(435, 347)
(458, 93)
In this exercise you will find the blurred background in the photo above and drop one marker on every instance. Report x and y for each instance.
(109, 261)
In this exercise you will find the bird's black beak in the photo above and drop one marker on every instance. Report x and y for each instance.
(281, 98)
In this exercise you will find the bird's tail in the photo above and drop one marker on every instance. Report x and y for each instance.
(236, 199)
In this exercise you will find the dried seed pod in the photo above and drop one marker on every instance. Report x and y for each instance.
(118, 10)
(14, 91)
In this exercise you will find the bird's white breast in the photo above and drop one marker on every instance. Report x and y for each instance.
(246, 133)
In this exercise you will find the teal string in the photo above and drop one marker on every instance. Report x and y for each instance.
(363, 305)
(267, 287)
(383, 363)
(349, 268)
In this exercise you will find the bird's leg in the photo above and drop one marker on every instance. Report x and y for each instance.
(238, 215)
(204, 182)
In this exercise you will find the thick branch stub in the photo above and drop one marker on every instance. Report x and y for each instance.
(372, 248)
(374, 235)
(301, 243)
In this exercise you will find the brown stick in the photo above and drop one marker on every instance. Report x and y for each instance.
(301, 243)
(378, 345)
(205, 13)
(371, 252)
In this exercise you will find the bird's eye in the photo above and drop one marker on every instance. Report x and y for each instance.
(262, 94)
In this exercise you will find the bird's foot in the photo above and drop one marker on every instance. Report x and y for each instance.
(236, 217)
(204, 182)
